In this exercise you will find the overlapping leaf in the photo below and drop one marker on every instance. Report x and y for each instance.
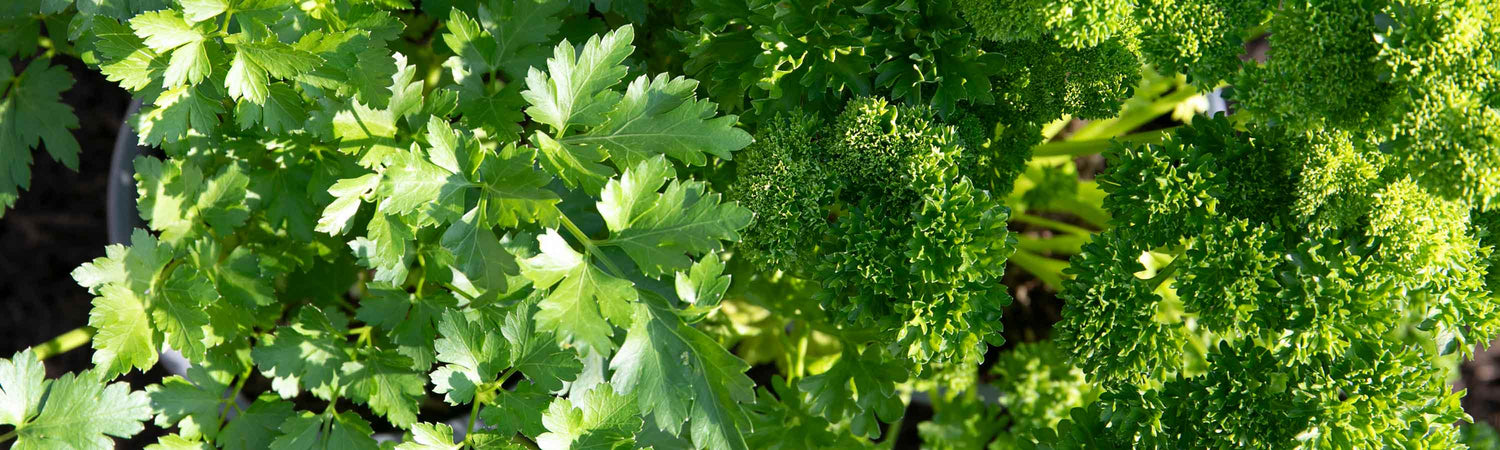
(660, 229)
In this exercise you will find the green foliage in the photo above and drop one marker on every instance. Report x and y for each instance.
(913, 246)
(73, 411)
(1037, 389)
(370, 217)
(781, 180)
(817, 55)
(32, 115)
(1274, 257)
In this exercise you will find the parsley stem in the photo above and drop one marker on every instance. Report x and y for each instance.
(479, 398)
(588, 246)
(473, 412)
(421, 279)
(1046, 269)
(804, 332)
(1061, 245)
(233, 394)
(65, 342)
(1165, 273)
(894, 434)
(1082, 147)
(460, 292)
(1049, 223)
(1135, 116)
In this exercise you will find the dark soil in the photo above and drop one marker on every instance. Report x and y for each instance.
(57, 225)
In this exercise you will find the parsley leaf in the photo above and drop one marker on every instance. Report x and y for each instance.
(575, 89)
(583, 301)
(662, 117)
(32, 113)
(678, 374)
(601, 418)
(659, 229)
(72, 411)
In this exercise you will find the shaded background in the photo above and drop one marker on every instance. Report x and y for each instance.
(59, 223)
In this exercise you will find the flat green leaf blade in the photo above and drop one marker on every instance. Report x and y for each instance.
(515, 191)
(22, 379)
(578, 165)
(361, 128)
(537, 353)
(679, 374)
(125, 338)
(662, 117)
(179, 313)
(416, 183)
(192, 406)
(478, 253)
(386, 381)
(279, 60)
(429, 436)
(32, 113)
(256, 426)
(472, 349)
(201, 10)
(179, 110)
(582, 296)
(660, 230)
(521, 29)
(705, 284)
(341, 431)
(307, 354)
(164, 30)
(282, 111)
(81, 412)
(189, 65)
(575, 87)
(600, 419)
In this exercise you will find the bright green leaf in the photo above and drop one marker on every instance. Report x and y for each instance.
(660, 230)
(582, 296)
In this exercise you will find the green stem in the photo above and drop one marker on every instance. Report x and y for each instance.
(421, 279)
(234, 393)
(1049, 223)
(479, 398)
(1164, 274)
(1133, 118)
(1065, 244)
(1081, 147)
(1090, 213)
(161, 277)
(460, 292)
(1056, 126)
(64, 343)
(804, 332)
(588, 246)
(895, 434)
(1046, 269)
(228, 17)
(473, 412)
